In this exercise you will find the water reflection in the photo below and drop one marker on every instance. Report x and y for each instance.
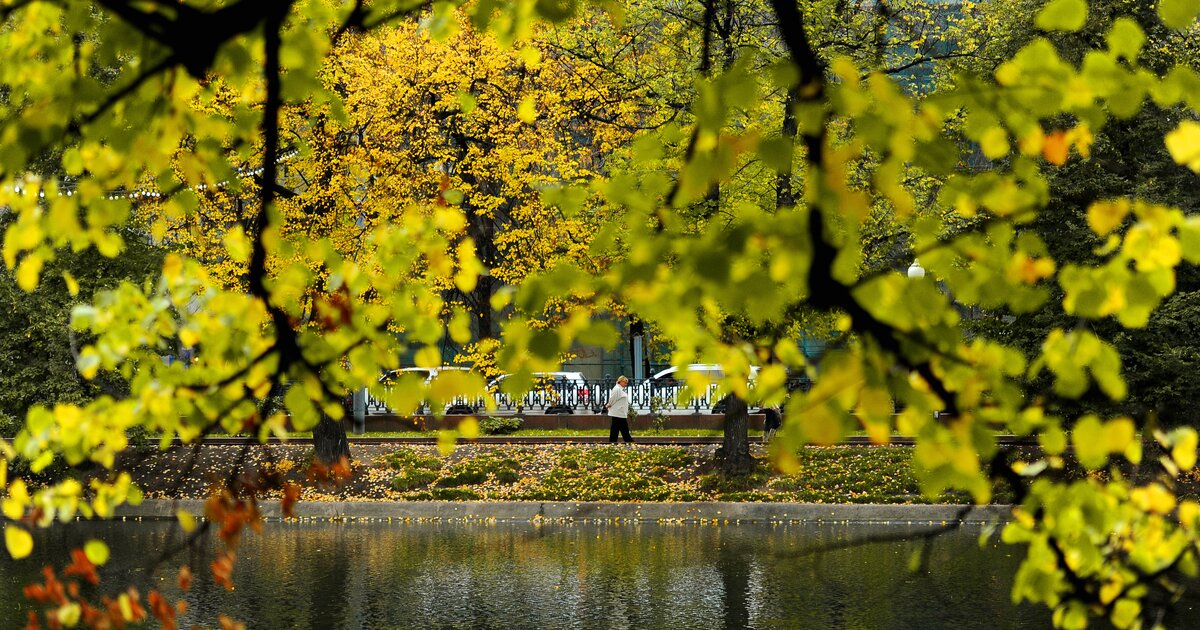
(380, 575)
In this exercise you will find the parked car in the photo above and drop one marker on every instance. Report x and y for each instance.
(554, 392)
(669, 383)
(460, 405)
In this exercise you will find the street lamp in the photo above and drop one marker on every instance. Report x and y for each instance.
(915, 270)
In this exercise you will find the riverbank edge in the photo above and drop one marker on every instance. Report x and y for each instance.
(596, 511)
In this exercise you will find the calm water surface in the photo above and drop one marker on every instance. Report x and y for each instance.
(381, 575)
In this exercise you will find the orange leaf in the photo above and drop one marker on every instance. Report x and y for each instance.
(222, 570)
(291, 494)
(185, 578)
(82, 567)
(162, 610)
(1054, 149)
(229, 624)
(341, 470)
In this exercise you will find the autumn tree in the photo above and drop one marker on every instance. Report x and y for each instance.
(657, 51)
(1159, 358)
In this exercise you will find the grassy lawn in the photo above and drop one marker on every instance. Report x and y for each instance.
(657, 473)
(559, 472)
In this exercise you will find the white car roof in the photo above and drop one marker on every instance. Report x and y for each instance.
(578, 375)
(693, 367)
(702, 367)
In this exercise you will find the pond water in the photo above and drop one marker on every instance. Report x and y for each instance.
(431, 575)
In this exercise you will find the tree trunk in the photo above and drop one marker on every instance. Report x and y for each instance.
(784, 196)
(329, 439)
(735, 444)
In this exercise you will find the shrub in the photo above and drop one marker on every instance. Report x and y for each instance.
(414, 478)
(463, 476)
(614, 474)
(477, 470)
(10, 425)
(500, 426)
(407, 459)
(667, 458)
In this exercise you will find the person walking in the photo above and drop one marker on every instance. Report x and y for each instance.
(772, 420)
(618, 411)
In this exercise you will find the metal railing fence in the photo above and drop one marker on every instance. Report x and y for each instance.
(590, 396)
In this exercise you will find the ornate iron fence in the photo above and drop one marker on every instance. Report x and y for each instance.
(563, 397)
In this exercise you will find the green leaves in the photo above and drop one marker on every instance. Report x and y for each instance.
(1125, 39)
(1179, 14)
(18, 541)
(1072, 356)
(1184, 144)
(1062, 15)
(1094, 441)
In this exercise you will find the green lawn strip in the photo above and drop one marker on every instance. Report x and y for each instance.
(660, 473)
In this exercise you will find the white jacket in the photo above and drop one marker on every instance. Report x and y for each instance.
(618, 402)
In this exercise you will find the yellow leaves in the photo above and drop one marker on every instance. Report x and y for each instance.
(71, 282)
(1062, 15)
(187, 521)
(1028, 270)
(428, 357)
(125, 605)
(446, 440)
(172, 269)
(450, 220)
(96, 551)
(17, 500)
(875, 412)
(1095, 441)
(1153, 498)
(527, 110)
(1152, 248)
(237, 245)
(531, 56)
(1183, 448)
(1184, 144)
(1179, 14)
(1181, 445)
(1150, 244)
(1104, 216)
(469, 427)
(785, 461)
(68, 614)
(994, 143)
(29, 271)
(1125, 613)
(1189, 514)
(449, 384)
(18, 541)
(1032, 142)
(469, 267)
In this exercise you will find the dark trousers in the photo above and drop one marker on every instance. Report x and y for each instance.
(622, 425)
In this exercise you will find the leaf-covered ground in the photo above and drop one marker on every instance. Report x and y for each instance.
(596, 472)
(541, 473)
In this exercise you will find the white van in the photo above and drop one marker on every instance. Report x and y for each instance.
(460, 405)
(667, 384)
(552, 392)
